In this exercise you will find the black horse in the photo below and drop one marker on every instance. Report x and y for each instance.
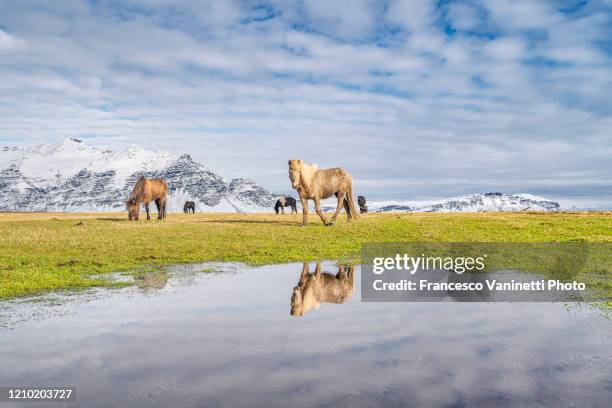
(189, 206)
(283, 202)
(363, 208)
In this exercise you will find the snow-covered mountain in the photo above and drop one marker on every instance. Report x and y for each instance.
(74, 176)
(470, 203)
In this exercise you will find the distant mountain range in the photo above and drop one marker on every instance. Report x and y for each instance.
(470, 203)
(74, 176)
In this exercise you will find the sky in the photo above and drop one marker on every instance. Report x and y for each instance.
(417, 99)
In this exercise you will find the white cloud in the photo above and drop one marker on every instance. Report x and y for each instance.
(342, 17)
(8, 42)
(464, 16)
(415, 15)
(522, 14)
(388, 94)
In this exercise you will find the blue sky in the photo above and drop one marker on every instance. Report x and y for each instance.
(417, 98)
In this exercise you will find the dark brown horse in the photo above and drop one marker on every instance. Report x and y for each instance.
(361, 201)
(283, 202)
(189, 206)
(145, 191)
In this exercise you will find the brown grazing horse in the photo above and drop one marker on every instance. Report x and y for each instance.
(314, 184)
(145, 191)
(314, 288)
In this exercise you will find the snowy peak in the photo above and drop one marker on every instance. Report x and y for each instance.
(69, 146)
(74, 176)
(482, 202)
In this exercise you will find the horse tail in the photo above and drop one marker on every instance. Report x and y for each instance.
(163, 196)
(138, 191)
(164, 186)
(277, 206)
(350, 203)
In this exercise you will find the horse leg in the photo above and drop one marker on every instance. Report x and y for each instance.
(347, 208)
(304, 210)
(147, 208)
(164, 208)
(282, 209)
(317, 201)
(305, 270)
(158, 207)
(340, 197)
(318, 269)
(349, 275)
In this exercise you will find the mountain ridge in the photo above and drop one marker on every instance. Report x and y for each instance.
(476, 202)
(73, 176)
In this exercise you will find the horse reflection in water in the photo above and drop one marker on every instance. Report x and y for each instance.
(317, 287)
(152, 280)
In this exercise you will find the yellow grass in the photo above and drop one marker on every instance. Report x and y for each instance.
(48, 251)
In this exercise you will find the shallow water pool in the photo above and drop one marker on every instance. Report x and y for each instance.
(227, 339)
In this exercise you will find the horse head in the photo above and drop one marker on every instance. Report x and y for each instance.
(297, 307)
(303, 300)
(301, 173)
(294, 172)
(133, 207)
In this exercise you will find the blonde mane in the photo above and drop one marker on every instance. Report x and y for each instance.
(307, 172)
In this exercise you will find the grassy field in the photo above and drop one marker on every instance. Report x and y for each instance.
(41, 252)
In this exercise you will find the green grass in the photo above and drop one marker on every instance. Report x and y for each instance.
(41, 252)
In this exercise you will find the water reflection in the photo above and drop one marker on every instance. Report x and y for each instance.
(224, 339)
(152, 280)
(317, 287)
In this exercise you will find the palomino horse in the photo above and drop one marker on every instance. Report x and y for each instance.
(283, 202)
(312, 289)
(314, 184)
(145, 191)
